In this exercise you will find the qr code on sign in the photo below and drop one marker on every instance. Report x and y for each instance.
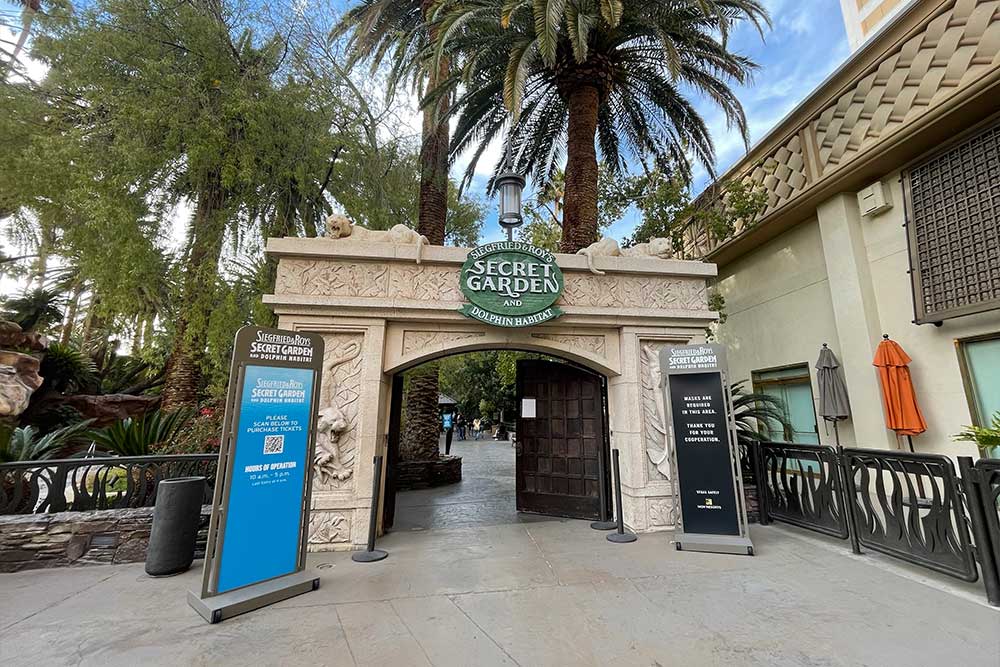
(274, 444)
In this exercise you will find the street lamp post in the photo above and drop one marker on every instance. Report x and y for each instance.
(509, 187)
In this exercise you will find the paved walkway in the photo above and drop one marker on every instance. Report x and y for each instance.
(484, 497)
(546, 592)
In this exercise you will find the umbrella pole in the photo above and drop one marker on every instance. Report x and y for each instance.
(836, 433)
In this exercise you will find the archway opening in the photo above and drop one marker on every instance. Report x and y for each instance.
(522, 436)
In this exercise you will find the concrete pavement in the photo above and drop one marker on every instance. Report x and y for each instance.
(546, 592)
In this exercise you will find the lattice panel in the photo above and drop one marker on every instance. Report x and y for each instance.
(782, 174)
(957, 46)
(955, 234)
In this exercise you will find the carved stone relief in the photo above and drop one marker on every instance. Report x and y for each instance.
(634, 292)
(336, 428)
(662, 512)
(592, 344)
(328, 528)
(425, 283)
(654, 416)
(324, 278)
(420, 340)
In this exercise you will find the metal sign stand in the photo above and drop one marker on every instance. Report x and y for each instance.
(706, 360)
(212, 605)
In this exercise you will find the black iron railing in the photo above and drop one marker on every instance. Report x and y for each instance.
(803, 487)
(107, 482)
(914, 507)
(910, 506)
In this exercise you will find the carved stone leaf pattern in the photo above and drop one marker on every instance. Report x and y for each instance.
(654, 421)
(592, 344)
(325, 278)
(342, 387)
(425, 283)
(634, 292)
(328, 528)
(421, 340)
(662, 512)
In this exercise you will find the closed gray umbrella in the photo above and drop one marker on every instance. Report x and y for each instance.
(833, 402)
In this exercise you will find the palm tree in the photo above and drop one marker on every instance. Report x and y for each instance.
(28, 10)
(400, 27)
(572, 71)
(378, 28)
(36, 309)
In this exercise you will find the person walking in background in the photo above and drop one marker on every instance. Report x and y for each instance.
(460, 425)
(446, 422)
(477, 424)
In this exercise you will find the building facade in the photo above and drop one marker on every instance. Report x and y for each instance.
(883, 217)
(863, 18)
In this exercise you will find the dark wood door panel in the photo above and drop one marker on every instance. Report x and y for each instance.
(558, 470)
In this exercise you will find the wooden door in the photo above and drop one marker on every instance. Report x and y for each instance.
(558, 467)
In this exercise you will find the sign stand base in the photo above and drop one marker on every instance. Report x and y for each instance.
(719, 544)
(226, 605)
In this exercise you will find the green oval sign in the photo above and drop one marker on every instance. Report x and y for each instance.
(511, 284)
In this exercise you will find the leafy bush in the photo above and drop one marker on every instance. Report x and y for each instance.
(25, 444)
(986, 437)
(202, 434)
(149, 434)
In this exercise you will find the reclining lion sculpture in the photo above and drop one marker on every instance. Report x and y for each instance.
(608, 247)
(339, 226)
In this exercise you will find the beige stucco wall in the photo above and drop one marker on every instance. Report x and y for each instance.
(782, 303)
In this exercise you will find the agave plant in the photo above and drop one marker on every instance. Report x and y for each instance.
(141, 436)
(25, 444)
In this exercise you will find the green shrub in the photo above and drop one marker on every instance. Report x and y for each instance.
(149, 434)
(25, 444)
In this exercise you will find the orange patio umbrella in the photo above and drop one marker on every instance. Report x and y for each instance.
(902, 414)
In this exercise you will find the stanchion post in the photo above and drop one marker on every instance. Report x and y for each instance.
(371, 554)
(605, 522)
(619, 536)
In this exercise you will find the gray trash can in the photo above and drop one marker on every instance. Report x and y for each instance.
(176, 517)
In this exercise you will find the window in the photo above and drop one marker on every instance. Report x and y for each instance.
(790, 384)
(953, 229)
(980, 359)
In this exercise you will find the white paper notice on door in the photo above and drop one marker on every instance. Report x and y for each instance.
(527, 408)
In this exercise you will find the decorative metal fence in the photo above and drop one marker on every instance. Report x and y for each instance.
(802, 486)
(909, 506)
(108, 482)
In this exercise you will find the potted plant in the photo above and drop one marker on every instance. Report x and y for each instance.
(987, 438)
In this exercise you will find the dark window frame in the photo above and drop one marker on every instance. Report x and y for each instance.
(921, 314)
(806, 375)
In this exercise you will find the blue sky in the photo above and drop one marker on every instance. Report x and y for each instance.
(805, 45)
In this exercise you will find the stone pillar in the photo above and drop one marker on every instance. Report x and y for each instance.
(855, 312)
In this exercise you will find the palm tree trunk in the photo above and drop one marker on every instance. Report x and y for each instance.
(27, 16)
(420, 429)
(580, 207)
(183, 376)
(433, 205)
(71, 311)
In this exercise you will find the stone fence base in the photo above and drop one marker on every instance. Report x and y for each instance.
(428, 474)
(33, 541)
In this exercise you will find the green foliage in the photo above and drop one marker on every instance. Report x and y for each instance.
(756, 415)
(986, 438)
(25, 444)
(481, 382)
(201, 434)
(148, 434)
(67, 369)
(35, 310)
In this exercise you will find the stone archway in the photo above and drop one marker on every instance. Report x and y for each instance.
(380, 312)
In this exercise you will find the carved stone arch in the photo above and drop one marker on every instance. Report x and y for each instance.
(410, 345)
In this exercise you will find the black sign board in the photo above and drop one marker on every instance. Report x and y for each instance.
(703, 439)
